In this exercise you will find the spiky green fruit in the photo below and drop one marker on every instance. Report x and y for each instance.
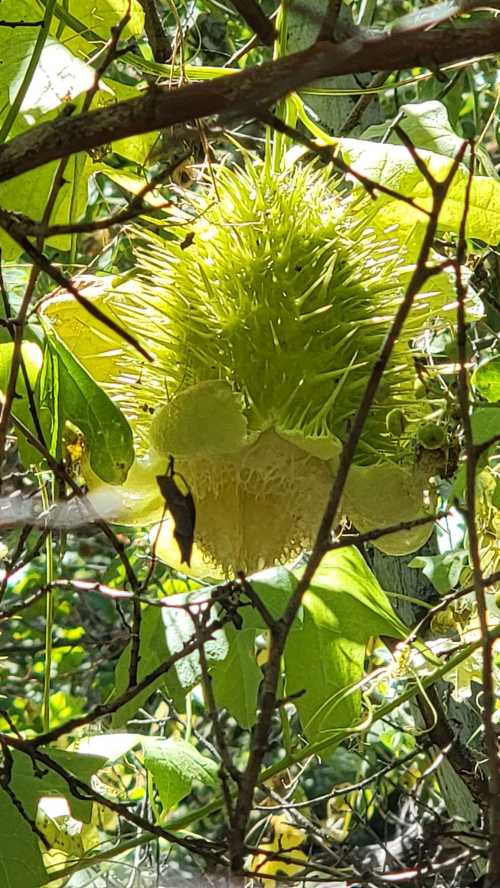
(286, 294)
(264, 328)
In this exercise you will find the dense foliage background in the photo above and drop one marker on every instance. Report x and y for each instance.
(303, 698)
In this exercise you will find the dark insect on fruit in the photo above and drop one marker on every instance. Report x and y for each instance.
(182, 509)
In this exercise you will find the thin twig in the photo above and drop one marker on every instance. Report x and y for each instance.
(227, 768)
(256, 18)
(101, 710)
(329, 23)
(155, 32)
(207, 848)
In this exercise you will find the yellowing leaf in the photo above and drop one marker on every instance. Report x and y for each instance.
(393, 166)
(286, 842)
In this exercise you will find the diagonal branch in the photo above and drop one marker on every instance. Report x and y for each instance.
(237, 96)
(280, 629)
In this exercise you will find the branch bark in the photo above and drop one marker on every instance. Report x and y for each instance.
(158, 39)
(242, 95)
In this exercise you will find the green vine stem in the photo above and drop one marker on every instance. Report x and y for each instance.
(47, 498)
(277, 143)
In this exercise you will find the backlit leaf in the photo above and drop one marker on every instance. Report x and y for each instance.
(175, 765)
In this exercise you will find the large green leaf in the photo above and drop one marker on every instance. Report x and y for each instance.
(346, 573)
(58, 76)
(175, 765)
(227, 652)
(486, 379)
(392, 165)
(485, 422)
(68, 392)
(20, 858)
(21, 864)
(428, 126)
(93, 344)
(321, 666)
(152, 652)
(343, 608)
(236, 679)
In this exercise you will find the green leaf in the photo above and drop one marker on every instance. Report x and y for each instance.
(103, 15)
(82, 402)
(485, 422)
(28, 194)
(345, 572)
(229, 653)
(392, 165)
(180, 630)
(495, 499)
(426, 124)
(49, 401)
(58, 78)
(435, 568)
(321, 665)
(443, 571)
(274, 586)
(135, 148)
(21, 864)
(73, 324)
(175, 765)
(152, 652)
(343, 608)
(236, 679)
(20, 858)
(486, 379)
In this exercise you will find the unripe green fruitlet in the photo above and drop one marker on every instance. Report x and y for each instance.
(264, 328)
(431, 435)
